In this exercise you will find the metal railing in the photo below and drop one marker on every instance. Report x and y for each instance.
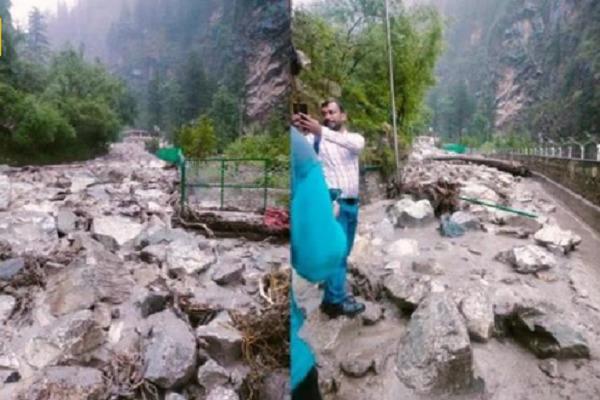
(240, 183)
(569, 150)
(571, 164)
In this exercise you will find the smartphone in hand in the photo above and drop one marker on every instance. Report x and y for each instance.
(300, 108)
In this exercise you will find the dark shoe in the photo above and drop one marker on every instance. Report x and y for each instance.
(349, 308)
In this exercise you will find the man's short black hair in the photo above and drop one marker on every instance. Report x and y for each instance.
(329, 101)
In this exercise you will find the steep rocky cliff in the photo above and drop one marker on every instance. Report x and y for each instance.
(532, 65)
(266, 41)
(243, 44)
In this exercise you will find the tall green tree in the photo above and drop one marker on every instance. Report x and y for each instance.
(37, 39)
(197, 88)
(345, 41)
(225, 111)
(155, 104)
(8, 59)
(198, 139)
(463, 109)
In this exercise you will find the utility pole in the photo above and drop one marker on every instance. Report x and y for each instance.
(392, 90)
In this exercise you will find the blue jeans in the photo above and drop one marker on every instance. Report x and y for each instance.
(335, 285)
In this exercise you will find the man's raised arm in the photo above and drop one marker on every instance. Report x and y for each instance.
(351, 141)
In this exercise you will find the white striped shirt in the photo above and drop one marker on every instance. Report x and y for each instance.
(339, 154)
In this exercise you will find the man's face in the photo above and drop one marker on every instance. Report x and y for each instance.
(333, 118)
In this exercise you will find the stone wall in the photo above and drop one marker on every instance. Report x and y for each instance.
(574, 182)
(580, 176)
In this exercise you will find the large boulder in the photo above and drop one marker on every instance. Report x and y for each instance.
(466, 220)
(221, 340)
(436, 355)
(67, 383)
(66, 221)
(120, 229)
(184, 257)
(169, 351)
(211, 375)
(100, 276)
(478, 310)
(554, 238)
(548, 333)
(407, 291)
(228, 272)
(480, 192)
(66, 339)
(81, 180)
(409, 213)
(211, 296)
(29, 231)
(528, 259)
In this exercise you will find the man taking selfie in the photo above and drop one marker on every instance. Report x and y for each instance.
(339, 152)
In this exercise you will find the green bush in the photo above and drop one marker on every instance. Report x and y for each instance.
(197, 139)
(95, 122)
(68, 111)
(276, 149)
(260, 146)
(10, 105)
(41, 126)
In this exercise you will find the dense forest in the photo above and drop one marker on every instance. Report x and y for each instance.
(518, 71)
(192, 65)
(54, 106)
(211, 76)
(344, 43)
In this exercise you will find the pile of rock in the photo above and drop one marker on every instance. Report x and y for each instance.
(436, 304)
(101, 296)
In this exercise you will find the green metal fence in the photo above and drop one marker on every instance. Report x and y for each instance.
(240, 183)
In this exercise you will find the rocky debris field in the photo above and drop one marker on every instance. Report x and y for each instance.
(102, 297)
(505, 309)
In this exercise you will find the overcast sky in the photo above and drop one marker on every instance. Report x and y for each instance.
(20, 9)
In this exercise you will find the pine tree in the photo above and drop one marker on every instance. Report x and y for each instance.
(464, 107)
(8, 59)
(197, 89)
(37, 40)
(225, 111)
(155, 105)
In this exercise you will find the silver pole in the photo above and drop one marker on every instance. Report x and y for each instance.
(392, 90)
